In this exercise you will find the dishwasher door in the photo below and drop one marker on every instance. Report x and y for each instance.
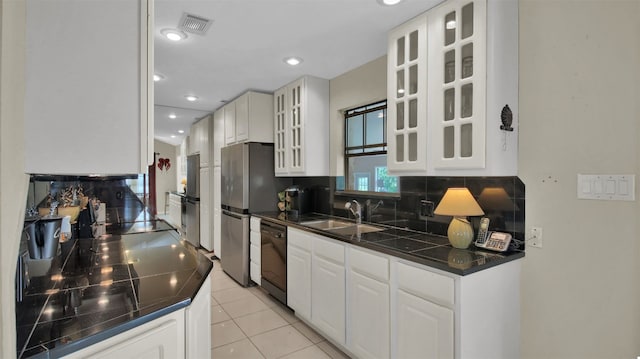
(193, 222)
(235, 246)
(273, 255)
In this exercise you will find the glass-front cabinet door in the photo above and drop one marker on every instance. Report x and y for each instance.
(407, 98)
(279, 107)
(457, 85)
(296, 126)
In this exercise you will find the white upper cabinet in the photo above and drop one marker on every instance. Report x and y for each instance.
(457, 85)
(301, 128)
(229, 123)
(407, 98)
(89, 87)
(446, 110)
(199, 139)
(217, 136)
(249, 118)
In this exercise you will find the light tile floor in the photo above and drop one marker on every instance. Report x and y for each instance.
(247, 323)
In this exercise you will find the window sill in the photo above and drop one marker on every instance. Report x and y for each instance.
(367, 194)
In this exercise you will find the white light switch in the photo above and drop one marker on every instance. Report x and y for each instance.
(607, 187)
(586, 186)
(623, 187)
(610, 186)
(597, 186)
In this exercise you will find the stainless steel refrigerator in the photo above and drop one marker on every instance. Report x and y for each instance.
(192, 205)
(249, 185)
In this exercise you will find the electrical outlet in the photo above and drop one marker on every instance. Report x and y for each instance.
(535, 237)
(426, 209)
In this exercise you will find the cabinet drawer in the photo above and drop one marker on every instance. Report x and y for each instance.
(369, 264)
(254, 224)
(426, 284)
(254, 238)
(299, 239)
(254, 253)
(329, 249)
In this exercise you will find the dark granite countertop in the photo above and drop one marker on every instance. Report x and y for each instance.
(97, 288)
(431, 250)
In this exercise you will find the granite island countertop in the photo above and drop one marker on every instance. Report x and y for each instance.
(97, 288)
(428, 249)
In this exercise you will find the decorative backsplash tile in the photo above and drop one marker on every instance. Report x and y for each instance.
(501, 198)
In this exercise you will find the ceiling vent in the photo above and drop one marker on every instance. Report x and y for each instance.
(194, 24)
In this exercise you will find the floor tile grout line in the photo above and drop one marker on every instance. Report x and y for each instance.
(235, 341)
(301, 349)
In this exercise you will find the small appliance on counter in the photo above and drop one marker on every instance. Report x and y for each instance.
(298, 201)
(43, 237)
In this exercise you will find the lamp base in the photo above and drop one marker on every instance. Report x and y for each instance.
(460, 232)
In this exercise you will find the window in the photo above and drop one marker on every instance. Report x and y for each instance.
(366, 150)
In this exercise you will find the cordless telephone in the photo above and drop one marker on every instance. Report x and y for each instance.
(482, 231)
(495, 241)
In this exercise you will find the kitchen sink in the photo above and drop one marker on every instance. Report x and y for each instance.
(327, 224)
(341, 227)
(355, 229)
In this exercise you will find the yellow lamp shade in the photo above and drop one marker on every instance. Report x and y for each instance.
(458, 202)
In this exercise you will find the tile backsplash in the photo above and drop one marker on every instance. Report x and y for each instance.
(501, 198)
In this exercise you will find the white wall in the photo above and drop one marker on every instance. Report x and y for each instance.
(165, 179)
(579, 113)
(361, 86)
(13, 181)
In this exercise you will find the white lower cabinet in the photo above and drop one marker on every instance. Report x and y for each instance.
(316, 278)
(423, 329)
(374, 305)
(198, 324)
(255, 251)
(175, 210)
(299, 272)
(158, 339)
(368, 317)
(368, 302)
(328, 297)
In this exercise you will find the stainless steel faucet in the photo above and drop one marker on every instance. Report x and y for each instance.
(357, 212)
(369, 208)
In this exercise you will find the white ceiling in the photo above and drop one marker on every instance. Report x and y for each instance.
(245, 46)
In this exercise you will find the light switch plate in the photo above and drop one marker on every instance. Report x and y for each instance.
(606, 187)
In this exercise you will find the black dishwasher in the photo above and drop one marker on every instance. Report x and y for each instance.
(273, 251)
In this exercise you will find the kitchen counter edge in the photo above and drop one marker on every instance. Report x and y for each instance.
(295, 223)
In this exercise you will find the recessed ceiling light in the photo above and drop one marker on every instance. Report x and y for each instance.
(180, 131)
(173, 136)
(389, 2)
(191, 98)
(293, 61)
(173, 34)
(157, 77)
(172, 116)
(451, 24)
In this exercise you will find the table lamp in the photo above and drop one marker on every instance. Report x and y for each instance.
(459, 203)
